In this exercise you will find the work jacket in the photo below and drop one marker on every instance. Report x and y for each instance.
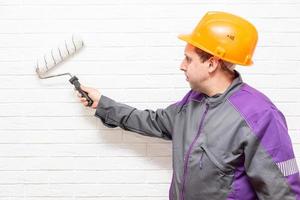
(231, 146)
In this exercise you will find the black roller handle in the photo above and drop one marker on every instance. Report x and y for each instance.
(75, 82)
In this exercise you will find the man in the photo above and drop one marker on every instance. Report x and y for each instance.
(229, 140)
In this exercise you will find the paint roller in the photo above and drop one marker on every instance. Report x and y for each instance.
(58, 55)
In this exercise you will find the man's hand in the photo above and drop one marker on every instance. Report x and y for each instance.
(93, 94)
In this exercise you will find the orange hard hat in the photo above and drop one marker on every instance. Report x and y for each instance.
(226, 36)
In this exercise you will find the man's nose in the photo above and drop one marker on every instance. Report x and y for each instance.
(183, 65)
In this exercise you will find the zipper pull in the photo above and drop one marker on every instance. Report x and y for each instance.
(207, 105)
(200, 161)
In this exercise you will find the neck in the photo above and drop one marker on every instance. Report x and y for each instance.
(218, 84)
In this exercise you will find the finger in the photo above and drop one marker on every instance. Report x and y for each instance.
(78, 94)
(85, 103)
(83, 99)
(86, 89)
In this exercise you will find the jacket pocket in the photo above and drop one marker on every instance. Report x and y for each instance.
(224, 175)
(208, 176)
(223, 169)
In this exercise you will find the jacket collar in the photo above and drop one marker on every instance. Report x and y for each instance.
(220, 97)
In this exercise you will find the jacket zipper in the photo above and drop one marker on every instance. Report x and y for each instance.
(186, 159)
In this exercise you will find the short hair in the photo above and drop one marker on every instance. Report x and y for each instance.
(204, 56)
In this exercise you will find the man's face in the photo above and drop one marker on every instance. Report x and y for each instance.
(195, 70)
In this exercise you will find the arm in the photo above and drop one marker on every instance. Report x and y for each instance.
(147, 122)
(157, 123)
(269, 158)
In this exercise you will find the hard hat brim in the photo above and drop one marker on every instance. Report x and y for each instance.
(188, 38)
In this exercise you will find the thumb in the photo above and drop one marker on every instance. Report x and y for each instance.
(86, 89)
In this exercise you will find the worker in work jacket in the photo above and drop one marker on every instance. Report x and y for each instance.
(229, 141)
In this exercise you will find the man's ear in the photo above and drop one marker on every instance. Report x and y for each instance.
(213, 63)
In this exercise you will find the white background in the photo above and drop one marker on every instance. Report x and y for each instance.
(51, 147)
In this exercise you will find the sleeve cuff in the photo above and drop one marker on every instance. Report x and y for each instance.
(102, 110)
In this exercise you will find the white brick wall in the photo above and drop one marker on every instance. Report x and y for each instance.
(51, 148)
